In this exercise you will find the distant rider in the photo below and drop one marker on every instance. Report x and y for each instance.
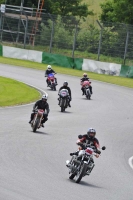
(85, 78)
(41, 104)
(65, 86)
(49, 71)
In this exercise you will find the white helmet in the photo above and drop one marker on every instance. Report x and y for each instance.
(44, 97)
(49, 67)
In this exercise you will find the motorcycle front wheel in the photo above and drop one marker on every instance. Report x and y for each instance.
(71, 176)
(62, 105)
(54, 87)
(81, 173)
(35, 125)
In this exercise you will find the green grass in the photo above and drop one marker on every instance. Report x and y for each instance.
(127, 82)
(13, 92)
(95, 6)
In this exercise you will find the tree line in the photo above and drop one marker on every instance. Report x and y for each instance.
(111, 10)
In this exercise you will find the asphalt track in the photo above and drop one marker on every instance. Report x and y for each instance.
(32, 165)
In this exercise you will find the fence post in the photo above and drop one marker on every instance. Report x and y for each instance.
(74, 41)
(51, 39)
(0, 26)
(2, 17)
(25, 33)
(126, 46)
(100, 40)
(19, 23)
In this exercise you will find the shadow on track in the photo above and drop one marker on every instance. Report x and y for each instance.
(83, 183)
(88, 184)
(40, 132)
(86, 99)
(67, 112)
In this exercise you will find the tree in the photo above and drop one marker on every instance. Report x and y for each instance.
(57, 7)
(117, 11)
(69, 7)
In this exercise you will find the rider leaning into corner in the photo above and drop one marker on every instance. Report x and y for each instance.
(85, 78)
(65, 86)
(49, 71)
(88, 140)
(41, 104)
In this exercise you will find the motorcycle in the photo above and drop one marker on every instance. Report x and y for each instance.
(82, 163)
(51, 81)
(86, 86)
(63, 99)
(38, 117)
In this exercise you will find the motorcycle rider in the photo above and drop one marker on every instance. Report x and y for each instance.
(85, 78)
(41, 104)
(50, 71)
(65, 86)
(88, 139)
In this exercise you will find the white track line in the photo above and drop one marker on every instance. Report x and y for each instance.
(42, 91)
(130, 161)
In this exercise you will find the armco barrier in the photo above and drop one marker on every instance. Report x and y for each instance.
(101, 67)
(63, 61)
(126, 71)
(24, 54)
(78, 63)
(12, 52)
(1, 50)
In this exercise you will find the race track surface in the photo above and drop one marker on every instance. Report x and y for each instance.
(32, 165)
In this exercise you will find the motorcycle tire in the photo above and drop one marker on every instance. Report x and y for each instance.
(81, 173)
(62, 105)
(88, 97)
(72, 176)
(54, 87)
(88, 94)
(35, 126)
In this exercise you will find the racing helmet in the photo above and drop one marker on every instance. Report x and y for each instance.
(84, 75)
(44, 97)
(91, 133)
(65, 83)
(49, 67)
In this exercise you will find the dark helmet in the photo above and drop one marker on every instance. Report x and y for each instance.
(91, 133)
(65, 83)
(84, 75)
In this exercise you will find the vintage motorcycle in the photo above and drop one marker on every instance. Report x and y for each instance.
(63, 99)
(82, 163)
(38, 117)
(51, 81)
(86, 86)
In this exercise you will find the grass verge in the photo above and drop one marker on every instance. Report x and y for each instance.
(127, 82)
(13, 92)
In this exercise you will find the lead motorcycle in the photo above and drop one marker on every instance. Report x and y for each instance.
(82, 163)
(51, 81)
(38, 117)
(63, 99)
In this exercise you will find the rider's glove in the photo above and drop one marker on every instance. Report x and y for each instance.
(99, 152)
